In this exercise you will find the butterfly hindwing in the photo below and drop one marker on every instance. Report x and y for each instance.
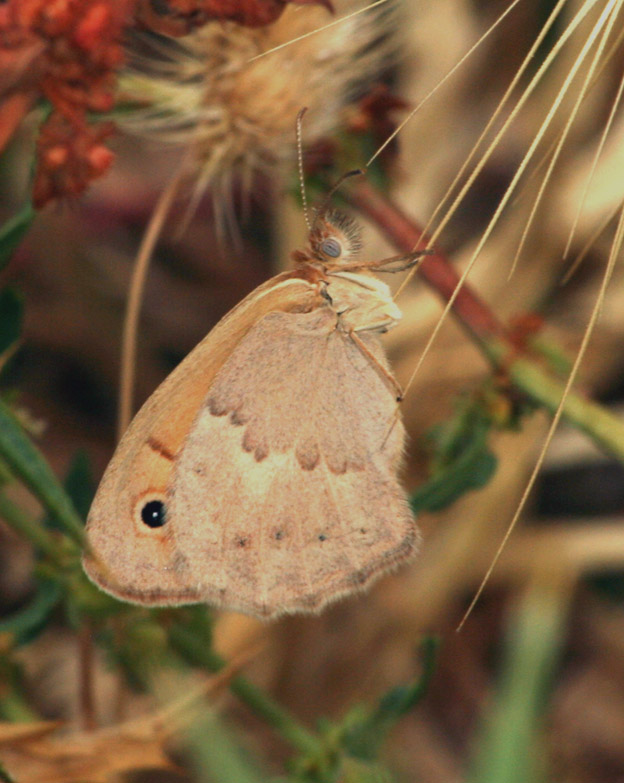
(288, 474)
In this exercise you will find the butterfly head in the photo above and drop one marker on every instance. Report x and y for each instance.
(334, 240)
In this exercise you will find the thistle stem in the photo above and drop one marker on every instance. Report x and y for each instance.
(135, 297)
(488, 333)
(26, 526)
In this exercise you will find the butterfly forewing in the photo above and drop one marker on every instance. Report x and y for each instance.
(126, 557)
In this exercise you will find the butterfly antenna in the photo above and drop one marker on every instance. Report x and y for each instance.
(325, 205)
(304, 198)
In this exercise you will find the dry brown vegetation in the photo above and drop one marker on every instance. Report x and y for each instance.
(532, 687)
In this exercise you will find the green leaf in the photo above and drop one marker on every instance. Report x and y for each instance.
(141, 649)
(462, 460)
(27, 624)
(365, 730)
(14, 706)
(11, 313)
(216, 756)
(27, 526)
(79, 483)
(473, 472)
(356, 771)
(79, 487)
(13, 231)
(28, 464)
(509, 750)
(189, 630)
(4, 775)
(400, 700)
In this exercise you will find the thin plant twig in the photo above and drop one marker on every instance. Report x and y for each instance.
(605, 429)
(615, 249)
(321, 29)
(85, 673)
(135, 296)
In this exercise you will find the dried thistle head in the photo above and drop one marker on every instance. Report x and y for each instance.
(235, 113)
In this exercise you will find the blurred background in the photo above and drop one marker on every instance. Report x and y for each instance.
(532, 688)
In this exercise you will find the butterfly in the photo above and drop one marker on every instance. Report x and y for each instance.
(262, 475)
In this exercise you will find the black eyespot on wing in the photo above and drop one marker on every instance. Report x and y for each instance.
(153, 513)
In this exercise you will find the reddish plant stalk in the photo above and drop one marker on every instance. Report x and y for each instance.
(525, 373)
(435, 269)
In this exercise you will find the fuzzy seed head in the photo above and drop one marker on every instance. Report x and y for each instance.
(206, 92)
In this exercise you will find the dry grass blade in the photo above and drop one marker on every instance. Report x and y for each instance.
(13, 733)
(442, 81)
(528, 91)
(590, 242)
(589, 76)
(520, 169)
(595, 82)
(614, 107)
(496, 113)
(615, 249)
(32, 754)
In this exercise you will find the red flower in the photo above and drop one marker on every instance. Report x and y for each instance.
(73, 49)
(68, 52)
(69, 155)
(179, 17)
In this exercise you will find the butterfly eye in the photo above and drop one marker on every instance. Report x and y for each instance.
(153, 513)
(331, 247)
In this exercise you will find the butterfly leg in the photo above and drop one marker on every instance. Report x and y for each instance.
(392, 264)
(363, 303)
(383, 371)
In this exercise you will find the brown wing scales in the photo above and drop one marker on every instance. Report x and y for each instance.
(320, 513)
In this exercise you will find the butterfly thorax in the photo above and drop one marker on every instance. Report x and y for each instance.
(359, 299)
(362, 302)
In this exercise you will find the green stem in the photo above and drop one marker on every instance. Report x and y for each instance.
(280, 719)
(509, 750)
(487, 332)
(28, 527)
(217, 756)
(605, 429)
(14, 230)
(261, 704)
(412, 695)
